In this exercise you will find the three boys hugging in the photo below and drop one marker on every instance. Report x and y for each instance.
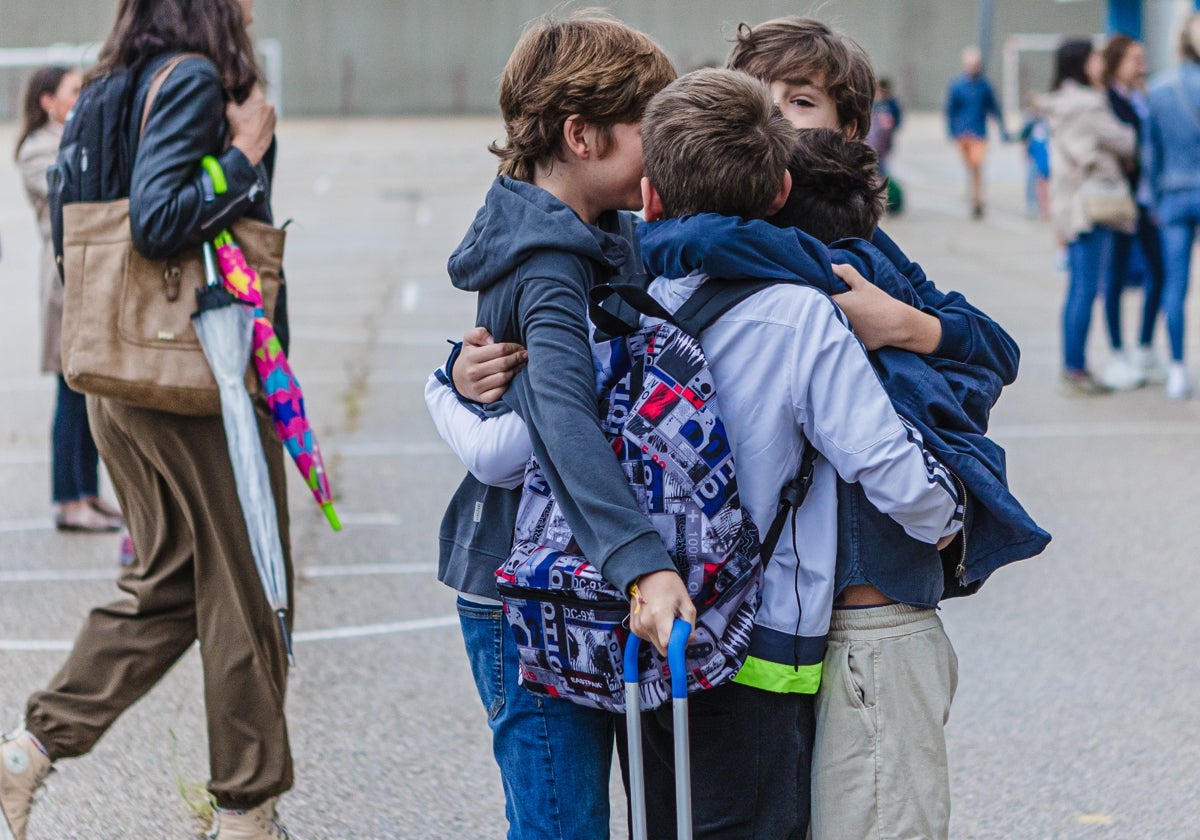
(840, 727)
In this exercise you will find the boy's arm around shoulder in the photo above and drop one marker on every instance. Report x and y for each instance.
(493, 447)
(969, 336)
(845, 413)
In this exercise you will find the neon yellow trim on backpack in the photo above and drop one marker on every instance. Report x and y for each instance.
(779, 678)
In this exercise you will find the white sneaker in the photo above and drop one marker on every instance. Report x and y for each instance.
(1147, 360)
(1120, 374)
(261, 823)
(1178, 385)
(23, 769)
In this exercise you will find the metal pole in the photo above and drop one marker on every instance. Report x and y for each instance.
(986, 17)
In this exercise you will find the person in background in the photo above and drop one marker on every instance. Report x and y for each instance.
(1171, 166)
(970, 100)
(192, 579)
(49, 97)
(886, 116)
(1086, 142)
(1125, 78)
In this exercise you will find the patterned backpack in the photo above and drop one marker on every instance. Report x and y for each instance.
(658, 406)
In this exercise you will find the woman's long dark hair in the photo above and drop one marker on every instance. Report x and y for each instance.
(44, 81)
(1070, 61)
(213, 28)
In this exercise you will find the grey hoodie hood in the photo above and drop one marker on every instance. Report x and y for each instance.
(518, 219)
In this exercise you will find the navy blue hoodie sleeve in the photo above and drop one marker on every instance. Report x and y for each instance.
(556, 396)
(172, 204)
(968, 335)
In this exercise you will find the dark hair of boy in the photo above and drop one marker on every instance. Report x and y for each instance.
(804, 50)
(1070, 61)
(587, 64)
(714, 142)
(837, 192)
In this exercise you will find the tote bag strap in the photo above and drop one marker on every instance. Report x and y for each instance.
(156, 84)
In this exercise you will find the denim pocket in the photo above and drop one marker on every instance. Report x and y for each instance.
(482, 630)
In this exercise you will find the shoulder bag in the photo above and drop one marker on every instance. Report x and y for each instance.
(127, 329)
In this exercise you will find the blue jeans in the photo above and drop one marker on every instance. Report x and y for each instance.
(1179, 214)
(1148, 237)
(1089, 258)
(74, 457)
(554, 756)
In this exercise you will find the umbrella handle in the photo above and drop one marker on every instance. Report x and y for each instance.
(287, 638)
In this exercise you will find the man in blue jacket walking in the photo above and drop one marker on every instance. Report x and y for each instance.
(969, 101)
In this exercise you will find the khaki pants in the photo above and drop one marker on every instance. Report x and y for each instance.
(194, 579)
(879, 762)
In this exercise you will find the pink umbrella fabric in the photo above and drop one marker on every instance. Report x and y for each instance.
(279, 383)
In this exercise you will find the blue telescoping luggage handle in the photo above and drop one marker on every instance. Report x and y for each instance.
(681, 631)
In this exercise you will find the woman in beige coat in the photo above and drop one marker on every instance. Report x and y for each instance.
(49, 97)
(1089, 147)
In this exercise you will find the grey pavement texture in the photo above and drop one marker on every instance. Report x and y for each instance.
(1075, 715)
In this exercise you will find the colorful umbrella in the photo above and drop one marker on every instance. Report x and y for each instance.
(279, 382)
(224, 326)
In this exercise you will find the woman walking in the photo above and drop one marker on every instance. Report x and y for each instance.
(49, 97)
(1125, 78)
(1171, 158)
(1088, 147)
(193, 577)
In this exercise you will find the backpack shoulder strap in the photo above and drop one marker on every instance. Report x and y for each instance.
(713, 299)
(157, 82)
(791, 496)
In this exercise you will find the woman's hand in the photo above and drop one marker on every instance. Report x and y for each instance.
(484, 369)
(252, 125)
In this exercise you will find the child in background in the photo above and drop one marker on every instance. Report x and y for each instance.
(1035, 134)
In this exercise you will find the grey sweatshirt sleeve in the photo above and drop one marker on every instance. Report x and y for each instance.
(556, 396)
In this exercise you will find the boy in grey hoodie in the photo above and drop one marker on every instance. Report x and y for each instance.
(572, 96)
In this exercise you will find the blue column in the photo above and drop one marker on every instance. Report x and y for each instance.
(1125, 16)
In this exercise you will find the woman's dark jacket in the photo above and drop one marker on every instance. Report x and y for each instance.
(173, 205)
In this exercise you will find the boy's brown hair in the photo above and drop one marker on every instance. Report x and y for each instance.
(837, 191)
(714, 142)
(587, 64)
(803, 50)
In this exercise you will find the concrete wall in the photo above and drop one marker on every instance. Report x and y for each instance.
(406, 57)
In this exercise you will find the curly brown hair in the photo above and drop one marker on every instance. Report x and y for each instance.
(588, 64)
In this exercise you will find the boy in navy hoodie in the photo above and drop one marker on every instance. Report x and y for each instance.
(879, 763)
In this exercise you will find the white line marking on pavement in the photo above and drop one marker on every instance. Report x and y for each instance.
(17, 458)
(377, 448)
(392, 628)
(332, 571)
(17, 526)
(330, 635)
(410, 296)
(369, 519)
(363, 569)
(1039, 431)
